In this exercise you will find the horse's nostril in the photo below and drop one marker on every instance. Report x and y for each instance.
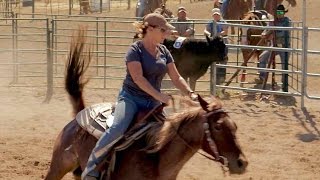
(240, 163)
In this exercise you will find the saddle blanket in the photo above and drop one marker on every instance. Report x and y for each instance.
(96, 119)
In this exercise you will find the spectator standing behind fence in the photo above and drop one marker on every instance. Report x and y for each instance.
(185, 27)
(213, 29)
(282, 40)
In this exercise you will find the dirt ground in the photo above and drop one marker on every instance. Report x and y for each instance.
(280, 140)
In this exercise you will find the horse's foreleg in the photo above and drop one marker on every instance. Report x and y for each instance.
(233, 32)
(64, 158)
(63, 161)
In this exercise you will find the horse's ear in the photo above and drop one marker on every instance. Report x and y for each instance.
(203, 103)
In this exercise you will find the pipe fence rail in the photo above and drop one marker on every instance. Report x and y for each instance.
(69, 7)
(35, 51)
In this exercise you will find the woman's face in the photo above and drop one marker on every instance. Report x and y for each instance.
(159, 34)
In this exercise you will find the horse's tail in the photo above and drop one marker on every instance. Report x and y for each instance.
(77, 64)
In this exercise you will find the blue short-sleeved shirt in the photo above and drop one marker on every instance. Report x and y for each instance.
(154, 69)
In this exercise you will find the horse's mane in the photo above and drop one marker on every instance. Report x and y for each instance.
(249, 15)
(162, 134)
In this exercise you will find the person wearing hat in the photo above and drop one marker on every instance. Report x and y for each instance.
(282, 40)
(184, 27)
(214, 29)
(147, 62)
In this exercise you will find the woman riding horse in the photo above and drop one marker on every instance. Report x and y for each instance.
(147, 62)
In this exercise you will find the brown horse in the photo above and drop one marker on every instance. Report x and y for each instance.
(241, 6)
(251, 36)
(145, 7)
(171, 144)
(244, 6)
(165, 12)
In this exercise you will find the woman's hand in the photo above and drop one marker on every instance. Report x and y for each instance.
(165, 99)
(193, 96)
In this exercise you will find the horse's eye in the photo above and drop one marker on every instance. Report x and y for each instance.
(217, 127)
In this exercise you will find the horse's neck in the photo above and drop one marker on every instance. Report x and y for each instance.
(182, 147)
(244, 7)
(167, 162)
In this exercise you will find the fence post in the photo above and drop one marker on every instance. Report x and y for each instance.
(213, 78)
(15, 48)
(129, 4)
(49, 63)
(33, 8)
(70, 6)
(304, 53)
(105, 55)
(97, 44)
(101, 6)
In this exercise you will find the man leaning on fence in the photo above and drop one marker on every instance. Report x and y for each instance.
(282, 40)
(184, 27)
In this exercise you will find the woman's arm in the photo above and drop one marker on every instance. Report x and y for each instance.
(135, 70)
(177, 80)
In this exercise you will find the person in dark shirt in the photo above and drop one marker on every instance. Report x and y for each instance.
(282, 40)
(184, 27)
(147, 62)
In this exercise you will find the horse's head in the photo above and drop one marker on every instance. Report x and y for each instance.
(220, 136)
(217, 45)
(164, 12)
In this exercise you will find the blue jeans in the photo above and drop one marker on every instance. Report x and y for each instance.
(263, 61)
(127, 107)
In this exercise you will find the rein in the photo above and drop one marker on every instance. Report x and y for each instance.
(211, 142)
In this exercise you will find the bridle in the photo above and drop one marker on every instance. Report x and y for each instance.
(212, 144)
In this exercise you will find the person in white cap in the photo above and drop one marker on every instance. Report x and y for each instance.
(213, 29)
(184, 27)
(147, 62)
